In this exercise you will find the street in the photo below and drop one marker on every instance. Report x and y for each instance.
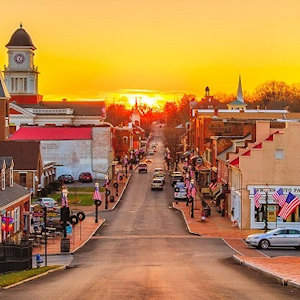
(144, 251)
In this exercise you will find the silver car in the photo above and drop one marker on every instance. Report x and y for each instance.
(280, 237)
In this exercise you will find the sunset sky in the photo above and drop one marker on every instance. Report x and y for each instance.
(161, 48)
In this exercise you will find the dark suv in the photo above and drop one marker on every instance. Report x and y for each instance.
(85, 177)
(67, 178)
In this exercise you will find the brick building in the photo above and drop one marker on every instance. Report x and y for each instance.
(14, 203)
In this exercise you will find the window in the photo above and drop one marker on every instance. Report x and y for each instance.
(3, 179)
(279, 153)
(23, 179)
(12, 84)
(25, 84)
(11, 177)
(16, 212)
(283, 231)
(294, 231)
(16, 84)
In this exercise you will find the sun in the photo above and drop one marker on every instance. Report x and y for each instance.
(141, 99)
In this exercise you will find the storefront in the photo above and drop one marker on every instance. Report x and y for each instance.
(258, 216)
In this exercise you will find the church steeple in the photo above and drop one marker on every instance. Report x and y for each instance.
(240, 96)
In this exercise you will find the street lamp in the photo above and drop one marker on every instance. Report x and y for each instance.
(266, 190)
(97, 200)
(65, 215)
(65, 208)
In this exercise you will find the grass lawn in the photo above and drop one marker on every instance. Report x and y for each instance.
(14, 277)
(80, 199)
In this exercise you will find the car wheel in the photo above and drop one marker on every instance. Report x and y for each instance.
(298, 247)
(264, 244)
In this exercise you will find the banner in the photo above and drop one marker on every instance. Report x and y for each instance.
(7, 224)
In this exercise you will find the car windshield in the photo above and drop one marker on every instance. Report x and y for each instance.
(178, 177)
(180, 185)
(156, 181)
(142, 166)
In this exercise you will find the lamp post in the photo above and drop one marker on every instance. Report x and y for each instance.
(266, 190)
(97, 200)
(65, 208)
(65, 215)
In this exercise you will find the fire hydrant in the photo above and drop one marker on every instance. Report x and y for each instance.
(39, 261)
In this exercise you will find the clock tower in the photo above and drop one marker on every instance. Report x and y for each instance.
(4, 110)
(21, 75)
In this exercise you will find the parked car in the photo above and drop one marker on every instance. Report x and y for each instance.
(280, 237)
(85, 177)
(180, 191)
(67, 178)
(46, 202)
(143, 168)
(176, 178)
(175, 173)
(151, 152)
(157, 184)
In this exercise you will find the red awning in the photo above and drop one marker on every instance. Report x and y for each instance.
(52, 133)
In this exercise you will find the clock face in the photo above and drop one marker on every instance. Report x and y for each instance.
(19, 58)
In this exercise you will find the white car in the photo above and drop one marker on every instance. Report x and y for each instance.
(46, 202)
(157, 184)
(280, 237)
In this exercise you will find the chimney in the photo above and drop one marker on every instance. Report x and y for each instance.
(258, 107)
(64, 99)
(216, 112)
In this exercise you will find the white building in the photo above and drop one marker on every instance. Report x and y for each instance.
(73, 149)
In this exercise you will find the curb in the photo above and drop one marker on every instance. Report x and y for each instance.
(235, 250)
(293, 284)
(33, 278)
(185, 220)
(119, 199)
(281, 280)
(75, 250)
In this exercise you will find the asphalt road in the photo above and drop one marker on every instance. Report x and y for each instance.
(145, 252)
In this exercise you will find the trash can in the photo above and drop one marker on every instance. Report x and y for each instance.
(112, 198)
(207, 211)
(65, 245)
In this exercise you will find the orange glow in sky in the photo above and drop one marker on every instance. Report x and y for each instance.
(97, 48)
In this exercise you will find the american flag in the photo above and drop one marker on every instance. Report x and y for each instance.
(97, 195)
(279, 197)
(193, 191)
(64, 200)
(257, 196)
(291, 203)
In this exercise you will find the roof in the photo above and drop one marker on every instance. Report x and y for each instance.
(81, 108)
(11, 194)
(20, 38)
(253, 114)
(3, 90)
(238, 102)
(52, 133)
(24, 154)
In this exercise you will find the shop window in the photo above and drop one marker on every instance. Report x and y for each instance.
(279, 153)
(259, 213)
(23, 179)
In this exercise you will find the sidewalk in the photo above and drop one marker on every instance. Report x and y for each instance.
(88, 226)
(284, 269)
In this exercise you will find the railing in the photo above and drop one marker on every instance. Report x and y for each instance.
(15, 257)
